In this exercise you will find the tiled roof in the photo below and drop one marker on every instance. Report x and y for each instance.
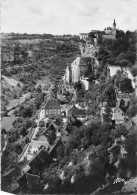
(109, 28)
(50, 128)
(53, 103)
(78, 112)
(83, 33)
(38, 160)
(81, 61)
(124, 105)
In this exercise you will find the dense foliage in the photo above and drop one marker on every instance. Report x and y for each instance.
(119, 52)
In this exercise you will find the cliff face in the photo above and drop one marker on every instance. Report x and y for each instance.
(10, 89)
(130, 186)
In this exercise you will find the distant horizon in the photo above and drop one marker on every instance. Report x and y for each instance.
(58, 34)
(59, 17)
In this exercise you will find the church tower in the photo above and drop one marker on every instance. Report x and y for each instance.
(114, 28)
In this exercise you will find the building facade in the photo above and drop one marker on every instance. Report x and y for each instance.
(79, 67)
(83, 36)
(52, 108)
(67, 76)
(110, 33)
(85, 82)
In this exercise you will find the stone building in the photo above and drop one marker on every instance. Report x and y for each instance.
(110, 32)
(83, 36)
(80, 67)
(67, 76)
(85, 82)
(52, 108)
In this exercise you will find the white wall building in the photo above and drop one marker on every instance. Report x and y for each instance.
(83, 36)
(85, 81)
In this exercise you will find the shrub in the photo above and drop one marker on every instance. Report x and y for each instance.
(18, 84)
(16, 112)
(3, 131)
(18, 148)
(27, 112)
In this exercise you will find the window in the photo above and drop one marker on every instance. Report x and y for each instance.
(53, 111)
(58, 111)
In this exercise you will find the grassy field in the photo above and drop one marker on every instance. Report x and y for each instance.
(6, 122)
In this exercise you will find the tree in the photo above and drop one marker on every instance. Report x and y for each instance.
(60, 152)
(3, 131)
(27, 111)
(18, 84)
(110, 94)
(39, 100)
(131, 148)
(134, 70)
(107, 116)
(132, 110)
(128, 33)
(16, 112)
(123, 63)
(51, 137)
(23, 131)
(54, 183)
(126, 85)
(121, 56)
(131, 56)
(39, 89)
(21, 107)
(27, 140)
(18, 148)
(91, 35)
(80, 95)
(119, 33)
(92, 108)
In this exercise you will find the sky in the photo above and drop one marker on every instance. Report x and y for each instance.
(66, 16)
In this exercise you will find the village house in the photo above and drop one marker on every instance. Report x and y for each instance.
(34, 146)
(113, 70)
(77, 113)
(118, 112)
(117, 115)
(49, 134)
(32, 170)
(130, 124)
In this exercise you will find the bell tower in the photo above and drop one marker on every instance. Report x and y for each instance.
(114, 28)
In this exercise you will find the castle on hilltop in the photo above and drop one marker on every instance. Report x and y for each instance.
(110, 33)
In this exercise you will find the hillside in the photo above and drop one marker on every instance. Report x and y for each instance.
(18, 50)
(11, 89)
(28, 60)
(82, 146)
